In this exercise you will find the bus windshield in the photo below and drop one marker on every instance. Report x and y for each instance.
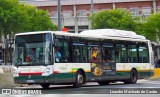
(33, 49)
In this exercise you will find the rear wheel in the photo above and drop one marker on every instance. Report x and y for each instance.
(45, 86)
(103, 83)
(79, 80)
(133, 77)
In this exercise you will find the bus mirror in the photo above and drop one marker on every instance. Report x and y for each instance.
(56, 42)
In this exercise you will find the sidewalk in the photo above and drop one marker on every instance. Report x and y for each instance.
(6, 78)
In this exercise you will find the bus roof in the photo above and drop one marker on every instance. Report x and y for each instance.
(107, 34)
(36, 32)
(98, 33)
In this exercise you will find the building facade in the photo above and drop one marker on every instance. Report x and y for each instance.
(74, 13)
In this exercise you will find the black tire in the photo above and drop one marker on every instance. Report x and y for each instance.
(103, 83)
(45, 86)
(133, 77)
(79, 80)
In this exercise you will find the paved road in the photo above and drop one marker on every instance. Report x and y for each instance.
(94, 90)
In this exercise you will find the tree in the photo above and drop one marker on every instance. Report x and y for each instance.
(114, 19)
(151, 27)
(16, 17)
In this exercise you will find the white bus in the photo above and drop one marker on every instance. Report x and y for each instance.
(102, 55)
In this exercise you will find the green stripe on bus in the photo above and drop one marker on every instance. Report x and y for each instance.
(26, 77)
(75, 68)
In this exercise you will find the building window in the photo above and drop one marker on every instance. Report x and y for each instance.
(134, 11)
(146, 11)
(54, 14)
(67, 14)
(83, 27)
(82, 13)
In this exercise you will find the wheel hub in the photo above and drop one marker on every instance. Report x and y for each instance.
(80, 79)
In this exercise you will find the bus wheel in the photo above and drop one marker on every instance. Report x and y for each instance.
(133, 77)
(103, 83)
(79, 80)
(45, 86)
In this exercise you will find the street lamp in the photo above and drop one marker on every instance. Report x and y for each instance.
(92, 7)
(59, 15)
(92, 10)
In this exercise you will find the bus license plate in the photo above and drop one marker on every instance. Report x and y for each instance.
(30, 81)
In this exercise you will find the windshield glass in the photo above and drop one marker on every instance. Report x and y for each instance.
(33, 49)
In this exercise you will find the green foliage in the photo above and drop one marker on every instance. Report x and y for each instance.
(16, 17)
(121, 19)
(151, 27)
(114, 19)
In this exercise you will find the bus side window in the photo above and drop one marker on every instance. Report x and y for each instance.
(108, 54)
(76, 55)
(79, 53)
(117, 54)
(84, 56)
(143, 54)
(132, 54)
(63, 50)
(121, 53)
(95, 54)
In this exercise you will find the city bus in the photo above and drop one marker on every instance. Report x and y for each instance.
(103, 56)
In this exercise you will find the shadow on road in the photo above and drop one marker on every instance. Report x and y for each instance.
(59, 87)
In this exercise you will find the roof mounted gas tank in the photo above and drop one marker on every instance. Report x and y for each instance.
(112, 33)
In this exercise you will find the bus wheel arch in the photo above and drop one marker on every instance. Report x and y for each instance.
(133, 77)
(80, 78)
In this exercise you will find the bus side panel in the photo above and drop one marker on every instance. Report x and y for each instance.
(65, 72)
(143, 69)
(145, 74)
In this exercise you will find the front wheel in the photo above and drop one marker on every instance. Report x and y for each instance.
(79, 80)
(45, 86)
(133, 77)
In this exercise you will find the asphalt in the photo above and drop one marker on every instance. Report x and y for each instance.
(93, 90)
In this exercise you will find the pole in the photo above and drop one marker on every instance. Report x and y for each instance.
(59, 15)
(10, 51)
(154, 6)
(92, 10)
(75, 19)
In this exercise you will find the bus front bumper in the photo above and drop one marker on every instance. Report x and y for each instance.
(38, 79)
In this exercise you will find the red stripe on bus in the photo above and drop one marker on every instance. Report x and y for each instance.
(31, 73)
(55, 72)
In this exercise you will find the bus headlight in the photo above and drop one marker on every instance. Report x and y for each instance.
(46, 72)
